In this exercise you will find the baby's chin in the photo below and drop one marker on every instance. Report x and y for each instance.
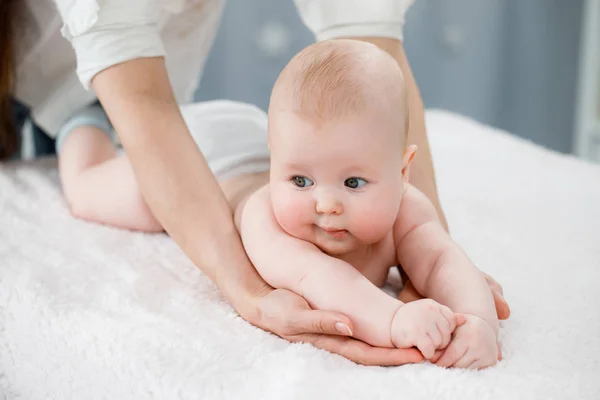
(330, 246)
(336, 250)
(336, 247)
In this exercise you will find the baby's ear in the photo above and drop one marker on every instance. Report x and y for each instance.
(409, 155)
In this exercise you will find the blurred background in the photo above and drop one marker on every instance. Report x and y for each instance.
(526, 66)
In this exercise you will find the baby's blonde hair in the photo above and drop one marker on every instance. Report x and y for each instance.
(336, 78)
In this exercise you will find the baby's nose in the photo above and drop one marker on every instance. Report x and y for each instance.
(328, 204)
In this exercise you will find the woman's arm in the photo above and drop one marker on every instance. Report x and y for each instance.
(120, 54)
(173, 175)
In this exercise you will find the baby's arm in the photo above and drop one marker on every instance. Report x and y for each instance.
(325, 282)
(437, 266)
(439, 269)
(328, 283)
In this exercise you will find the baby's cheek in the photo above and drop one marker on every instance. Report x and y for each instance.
(374, 218)
(291, 212)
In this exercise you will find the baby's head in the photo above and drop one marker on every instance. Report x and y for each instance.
(337, 132)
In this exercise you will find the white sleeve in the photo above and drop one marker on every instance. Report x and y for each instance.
(104, 33)
(330, 19)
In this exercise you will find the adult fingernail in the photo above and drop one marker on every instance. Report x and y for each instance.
(343, 329)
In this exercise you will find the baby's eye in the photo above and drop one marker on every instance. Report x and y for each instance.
(355, 183)
(302, 181)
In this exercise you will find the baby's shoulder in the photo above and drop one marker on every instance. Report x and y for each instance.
(256, 204)
(415, 209)
(413, 198)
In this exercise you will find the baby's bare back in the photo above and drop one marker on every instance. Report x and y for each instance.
(239, 189)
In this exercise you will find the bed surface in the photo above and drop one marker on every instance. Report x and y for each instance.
(92, 312)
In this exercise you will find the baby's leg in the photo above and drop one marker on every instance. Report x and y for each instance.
(98, 183)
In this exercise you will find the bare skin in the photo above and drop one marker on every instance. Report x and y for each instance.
(166, 168)
(422, 172)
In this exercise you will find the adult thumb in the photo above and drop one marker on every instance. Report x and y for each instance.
(324, 322)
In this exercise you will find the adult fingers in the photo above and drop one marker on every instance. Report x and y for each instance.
(502, 308)
(318, 321)
(495, 286)
(360, 352)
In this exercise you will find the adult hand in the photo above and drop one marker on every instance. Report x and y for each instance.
(289, 316)
(502, 308)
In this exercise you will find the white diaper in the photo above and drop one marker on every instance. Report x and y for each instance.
(231, 135)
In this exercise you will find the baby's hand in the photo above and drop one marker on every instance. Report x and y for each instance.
(424, 324)
(474, 346)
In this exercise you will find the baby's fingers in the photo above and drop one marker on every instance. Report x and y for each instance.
(476, 359)
(467, 360)
(445, 333)
(452, 354)
(454, 319)
(426, 347)
(435, 336)
(477, 364)
(460, 319)
(480, 363)
(437, 355)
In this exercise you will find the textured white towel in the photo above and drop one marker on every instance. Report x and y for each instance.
(92, 312)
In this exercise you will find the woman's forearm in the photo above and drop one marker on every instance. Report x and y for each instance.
(173, 175)
(422, 174)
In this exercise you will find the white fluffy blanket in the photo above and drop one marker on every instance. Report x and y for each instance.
(92, 312)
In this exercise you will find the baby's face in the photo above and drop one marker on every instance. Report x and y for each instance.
(337, 184)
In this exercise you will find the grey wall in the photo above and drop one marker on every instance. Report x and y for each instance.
(244, 62)
(508, 63)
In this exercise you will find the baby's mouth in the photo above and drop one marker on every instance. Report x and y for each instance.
(335, 233)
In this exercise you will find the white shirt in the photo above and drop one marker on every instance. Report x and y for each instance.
(54, 74)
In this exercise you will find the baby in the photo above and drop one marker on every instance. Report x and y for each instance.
(338, 210)
(321, 200)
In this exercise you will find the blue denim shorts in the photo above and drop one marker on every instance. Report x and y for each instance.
(92, 115)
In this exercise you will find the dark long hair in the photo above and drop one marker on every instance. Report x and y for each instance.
(9, 17)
